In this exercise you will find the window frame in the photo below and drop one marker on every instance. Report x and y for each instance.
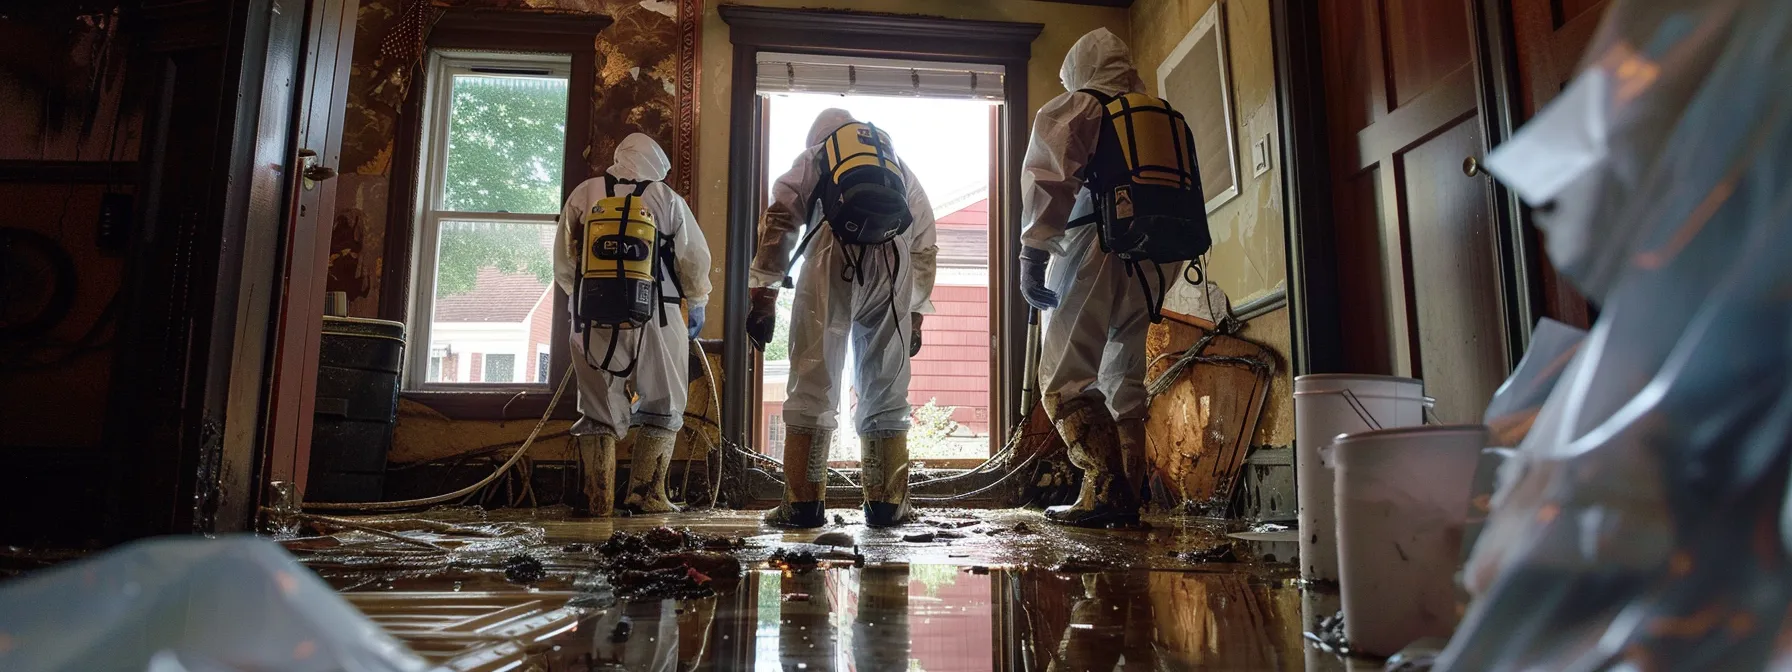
(437, 91)
(486, 30)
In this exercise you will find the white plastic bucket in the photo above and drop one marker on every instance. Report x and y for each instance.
(1402, 502)
(1326, 405)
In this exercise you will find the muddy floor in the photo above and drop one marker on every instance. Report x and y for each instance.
(961, 590)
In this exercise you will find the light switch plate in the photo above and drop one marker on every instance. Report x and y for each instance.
(1260, 156)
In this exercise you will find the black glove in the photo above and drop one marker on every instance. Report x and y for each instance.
(762, 320)
(914, 338)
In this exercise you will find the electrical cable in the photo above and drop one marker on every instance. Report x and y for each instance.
(476, 487)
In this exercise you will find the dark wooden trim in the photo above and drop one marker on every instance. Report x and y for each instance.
(401, 208)
(755, 29)
(881, 35)
(1307, 189)
(516, 30)
(1502, 108)
(68, 172)
(1096, 3)
(490, 30)
(738, 360)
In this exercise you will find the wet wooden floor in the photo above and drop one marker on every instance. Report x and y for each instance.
(1000, 590)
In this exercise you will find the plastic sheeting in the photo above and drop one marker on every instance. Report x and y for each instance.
(189, 605)
(1643, 529)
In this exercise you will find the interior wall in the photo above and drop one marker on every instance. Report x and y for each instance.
(1248, 259)
(637, 61)
(63, 98)
(1064, 23)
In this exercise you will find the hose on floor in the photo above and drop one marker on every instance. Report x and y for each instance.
(438, 499)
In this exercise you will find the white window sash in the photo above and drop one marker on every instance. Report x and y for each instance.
(443, 65)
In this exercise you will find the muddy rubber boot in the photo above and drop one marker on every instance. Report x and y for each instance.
(805, 480)
(597, 473)
(1092, 441)
(648, 470)
(1133, 455)
(884, 471)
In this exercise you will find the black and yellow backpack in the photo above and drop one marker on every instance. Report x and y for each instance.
(1146, 185)
(861, 195)
(622, 260)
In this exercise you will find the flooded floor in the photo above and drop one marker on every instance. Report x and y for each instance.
(963, 590)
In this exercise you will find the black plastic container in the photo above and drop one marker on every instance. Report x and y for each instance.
(357, 406)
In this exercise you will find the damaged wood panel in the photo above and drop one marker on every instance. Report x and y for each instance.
(1199, 431)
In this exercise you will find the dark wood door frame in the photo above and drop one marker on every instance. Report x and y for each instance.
(491, 30)
(756, 29)
(1307, 186)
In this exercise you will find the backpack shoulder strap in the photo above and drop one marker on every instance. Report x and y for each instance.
(1099, 96)
(639, 185)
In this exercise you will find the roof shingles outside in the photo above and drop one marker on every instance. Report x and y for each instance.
(497, 296)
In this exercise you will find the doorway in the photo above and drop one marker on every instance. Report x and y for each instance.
(948, 144)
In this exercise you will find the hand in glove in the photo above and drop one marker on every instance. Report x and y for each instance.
(1032, 279)
(762, 320)
(914, 338)
(694, 319)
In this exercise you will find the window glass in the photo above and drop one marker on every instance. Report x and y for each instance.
(506, 140)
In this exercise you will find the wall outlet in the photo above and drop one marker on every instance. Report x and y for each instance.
(1260, 156)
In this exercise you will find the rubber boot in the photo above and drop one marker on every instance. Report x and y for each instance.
(805, 480)
(1092, 441)
(597, 471)
(648, 470)
(1133, 455)
(884, 471)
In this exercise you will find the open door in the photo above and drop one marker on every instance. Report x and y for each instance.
(322, 101)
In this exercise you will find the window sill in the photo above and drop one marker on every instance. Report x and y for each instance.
(515, 403)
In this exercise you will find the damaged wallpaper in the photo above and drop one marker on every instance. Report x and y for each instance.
(646, 82)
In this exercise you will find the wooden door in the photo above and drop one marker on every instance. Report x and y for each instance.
(1549, 37)
(322, 99)
(1419, 284)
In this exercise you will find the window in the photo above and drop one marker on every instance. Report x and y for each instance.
(489, 192)
(541, 365)
(500, 368)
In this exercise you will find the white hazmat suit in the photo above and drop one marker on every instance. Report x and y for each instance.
(873, 310)
(1092, 346)
(660, 375)
(873, 307)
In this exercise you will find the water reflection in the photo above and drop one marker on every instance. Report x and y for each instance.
(941, 619)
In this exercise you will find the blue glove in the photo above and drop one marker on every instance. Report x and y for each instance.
(1032, 278)
(695, 319)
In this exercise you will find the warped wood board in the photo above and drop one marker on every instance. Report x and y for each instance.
(1199, 431)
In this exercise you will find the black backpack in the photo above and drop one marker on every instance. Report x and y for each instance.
(1146, 186)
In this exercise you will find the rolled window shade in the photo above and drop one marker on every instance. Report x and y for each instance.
(794, 73)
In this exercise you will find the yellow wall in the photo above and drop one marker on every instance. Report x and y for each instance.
(1064, 23)
(1249, 246)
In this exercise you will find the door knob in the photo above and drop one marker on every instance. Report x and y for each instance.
(1471, 167)
(310, 171)
(319, 173)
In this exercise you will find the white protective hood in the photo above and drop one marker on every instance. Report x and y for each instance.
(640, 158)
(1100, 61)
(826, 123)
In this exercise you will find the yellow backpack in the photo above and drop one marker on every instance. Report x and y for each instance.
(619, 275)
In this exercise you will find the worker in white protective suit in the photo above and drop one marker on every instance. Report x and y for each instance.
(873, 295)
(1092, 346)
(659, 377)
